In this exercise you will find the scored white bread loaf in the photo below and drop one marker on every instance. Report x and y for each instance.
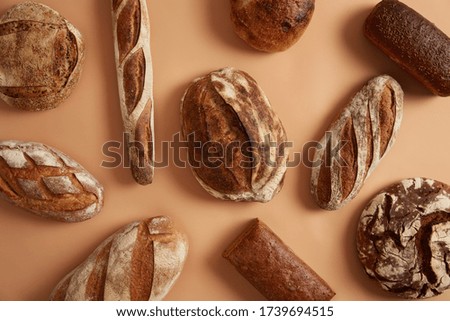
(47, 182)
(356, 142)
(140, 262)
(131, 29)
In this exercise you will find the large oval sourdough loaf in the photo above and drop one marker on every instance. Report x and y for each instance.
(236, 141)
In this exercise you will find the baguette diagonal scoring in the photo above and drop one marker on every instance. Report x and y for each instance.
(131, 29)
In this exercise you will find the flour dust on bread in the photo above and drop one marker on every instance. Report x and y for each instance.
(356, 142)
(131, 30)
(140, 262)
(41, 57)
(45, 181)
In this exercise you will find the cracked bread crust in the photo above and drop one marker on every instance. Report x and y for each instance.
(42, 56)
(403, 238)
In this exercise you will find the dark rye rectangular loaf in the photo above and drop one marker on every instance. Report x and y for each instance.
(273, 268)
(413, 42)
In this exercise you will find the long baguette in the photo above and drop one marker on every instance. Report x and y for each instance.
(131, 29)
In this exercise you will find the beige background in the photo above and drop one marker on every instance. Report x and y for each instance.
(307, 85)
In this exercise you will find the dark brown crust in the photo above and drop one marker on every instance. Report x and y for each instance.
(210, 119)
(142, 265)
(413, 42)
(387, 118)
(402, 238)
(133, 79)
(271, 25)
(141, 150)
(128, 28)
(116, 4)
(273, 269)
(349, 154)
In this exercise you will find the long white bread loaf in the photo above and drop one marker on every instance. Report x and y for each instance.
(131, 29)
(140, 262)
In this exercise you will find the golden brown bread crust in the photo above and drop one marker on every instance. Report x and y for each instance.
(365, 130)
(131, 28)
(140, 262)
(273, 269)
(47, 182)
(41, 78)
(413, 42)
(271, 25)
(227, 111)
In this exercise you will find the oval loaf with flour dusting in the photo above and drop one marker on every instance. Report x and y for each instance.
(140, 262)
(355, 142)
(47, 182)
(235, 140)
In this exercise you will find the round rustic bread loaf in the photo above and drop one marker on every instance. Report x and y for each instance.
(41, 55)
(403, 238)
(271, 25)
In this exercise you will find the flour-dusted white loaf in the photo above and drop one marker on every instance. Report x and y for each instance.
(140, 262)
(355, 142)
(47, 182)
(131, 29)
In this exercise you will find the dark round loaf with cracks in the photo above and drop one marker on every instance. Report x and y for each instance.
(271, 25)
(403, 238)
(41, 56)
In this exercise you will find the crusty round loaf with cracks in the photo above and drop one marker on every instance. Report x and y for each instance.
(41, 56)
(403, 238)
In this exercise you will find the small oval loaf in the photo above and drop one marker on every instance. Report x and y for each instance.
(413, 42)
(355, 142)
(140, 262)
(41, 57)
(271, 25)
(47, 182)
(131, 30)
(227, 111)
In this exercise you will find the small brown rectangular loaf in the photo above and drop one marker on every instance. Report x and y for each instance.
(273, 268)
(355, 142)
(131, 28)
(413, 42)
